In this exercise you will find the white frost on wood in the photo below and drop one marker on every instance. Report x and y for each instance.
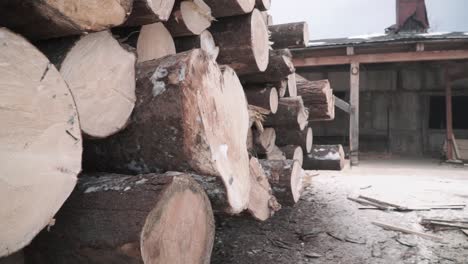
(433, 34)
(329, 156)
(158, 86)
(374, 35)
(317, 43)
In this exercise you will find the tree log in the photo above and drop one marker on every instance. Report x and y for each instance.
(204, 41)
(40, 142)
(322, 112)
(101, 76)
(291, 112)
(267, 18)
(314, 92)
(189, 17)
(151, 41)
(51, 19)
(282, 87)
(263, 5)
(243, 42)
(285, 177)
(287, 136)
(257, 116)
(226, 8)
(149, 11)
(292, 35)
(293, 152)
(275, 154)
(188, 116)
(279, 67)
(130, 219)
(292, 86)
(264, 141)
(325, 157)
(261, 96)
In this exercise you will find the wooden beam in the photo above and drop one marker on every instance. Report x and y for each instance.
(354, 114)
(382, 58)
(343, 105)
(448, 113)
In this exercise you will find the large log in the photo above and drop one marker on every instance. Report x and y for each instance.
(325, 157)
(188, 116)
(40, 142)
(243, 42)
(285, 177)
(204, 41)
(261, 96)
(279, 67)
(291, 35)
(189, 17)
(152, 41)
(101, 76)
(51, 19)
(288, 136)
(264, 141)
(322, 112)
(149, 11)
(130, 219)
(225, 8)
(318, 97)
(275, 154)
(291, 112)
(282, 87)
(293, 152)
(262, 5)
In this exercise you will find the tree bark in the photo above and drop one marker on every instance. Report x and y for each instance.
(261, 96)
(189, 17)
(293, 152)
(180, 123)
(291, 112)
(279, 67)
(52, 19)
(325, 157)
(40, 139)
(292, 35)
(264, 141)
(287, 136)
(318, 97)
(113, 218)
(282, 87)
(204, 41)
(101, 76)
(152, 41)
(263, 5)
(149, 11)
(285, 177)
(243, 42)
(226, 8)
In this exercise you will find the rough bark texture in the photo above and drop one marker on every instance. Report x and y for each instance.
(264, 141)
(262, 5)
(285, 177)
(282, 87)
(325, 157)
(225, 8)
(179, 123)
(190, 17)
(279, 67)
(318, 97)
(261, 96)
(287, 136)
(293, 152)
(113, 218)
(152, 41)
(101, 76)
(203, 41)
(51, 19)
(149, 11)
(40, 142)
(243, 42)
(292, 35)
(291, 112)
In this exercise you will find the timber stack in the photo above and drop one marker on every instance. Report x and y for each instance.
(139, 116)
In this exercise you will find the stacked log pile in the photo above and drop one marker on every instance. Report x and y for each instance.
(160, 103)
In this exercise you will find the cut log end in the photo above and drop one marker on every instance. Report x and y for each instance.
(101, 76)
(189, 18)
(292, 86)
(203, 41)
(154, 42)
(149, 11)
(296, 181)
(274, 100)
(263, 5)
(260, 40)
(40, 138)
(226, 8)
(262, 204)
(182, 214)
(293, 152)
(309, 140)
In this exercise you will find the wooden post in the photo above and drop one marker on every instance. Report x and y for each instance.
(354, 115)
(448, 113)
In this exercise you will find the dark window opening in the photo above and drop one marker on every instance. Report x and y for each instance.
(437, 118)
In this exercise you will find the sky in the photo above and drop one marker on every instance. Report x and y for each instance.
(345, 18)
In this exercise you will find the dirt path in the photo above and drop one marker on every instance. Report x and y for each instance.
(325, 227)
